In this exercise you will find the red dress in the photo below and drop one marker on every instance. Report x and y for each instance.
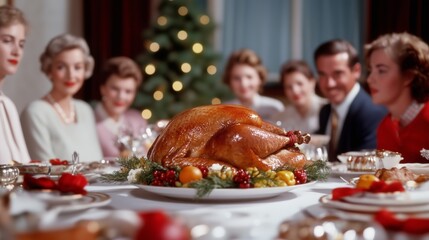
(408, 140)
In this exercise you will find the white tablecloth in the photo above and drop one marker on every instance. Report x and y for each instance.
(244, 219)
(262, 215)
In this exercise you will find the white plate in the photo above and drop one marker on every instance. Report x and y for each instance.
(349, 174)
(224, 193)
(51, 196)
(90, 200)
(347, 206)
(401, 199)
(418, 168)
(26, 201)
(341, 170)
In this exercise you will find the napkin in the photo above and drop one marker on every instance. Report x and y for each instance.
(342, 192)
(376, 187)
(411, 225)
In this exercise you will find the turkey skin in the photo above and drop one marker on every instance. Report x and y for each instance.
(227, 135)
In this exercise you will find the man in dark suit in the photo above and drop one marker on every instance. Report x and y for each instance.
(350, 118)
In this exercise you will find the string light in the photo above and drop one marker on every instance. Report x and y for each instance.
(150, 69)
(154, 47)
(197, 48)
(216, 101)
(182, 11)
(186, 67)
(211, 69)
(162, 21)
(204, 19)
(182, 35)
(177, 86)
(158, 95)
(146, 114)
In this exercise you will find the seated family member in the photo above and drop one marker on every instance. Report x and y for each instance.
(120, 80)
(245, 75)
(299, 88)
(399, 79)
(13, 29)
(350, 118)
(57, 125)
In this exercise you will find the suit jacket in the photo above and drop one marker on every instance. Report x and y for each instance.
(360, 125)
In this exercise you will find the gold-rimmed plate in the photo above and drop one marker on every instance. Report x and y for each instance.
(358, 207)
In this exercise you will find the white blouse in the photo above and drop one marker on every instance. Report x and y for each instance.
(290, 119)
(266, 107)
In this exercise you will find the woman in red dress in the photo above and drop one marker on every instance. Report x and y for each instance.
(399, 79)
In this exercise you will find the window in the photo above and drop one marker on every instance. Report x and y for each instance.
(280, 30)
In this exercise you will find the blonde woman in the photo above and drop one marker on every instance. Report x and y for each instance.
(13, 31)
(57, 125)
(246, 75)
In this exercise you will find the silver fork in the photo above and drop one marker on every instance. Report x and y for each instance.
(347, 181)
(75, 161)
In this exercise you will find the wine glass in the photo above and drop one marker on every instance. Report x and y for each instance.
(313, 152)
(129, 141)
(149, 134)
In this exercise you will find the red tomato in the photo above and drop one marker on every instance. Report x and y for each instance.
(72, 183)
(158, 225)
(31, 182)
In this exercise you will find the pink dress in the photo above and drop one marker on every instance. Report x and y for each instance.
(108, 129)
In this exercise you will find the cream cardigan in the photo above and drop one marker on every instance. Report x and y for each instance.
(12, 144)
(49, 137)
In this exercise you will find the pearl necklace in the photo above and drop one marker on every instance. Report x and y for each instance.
(60, 111)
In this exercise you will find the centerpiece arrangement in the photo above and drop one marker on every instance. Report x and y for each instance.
(143, 171)
(222, 146)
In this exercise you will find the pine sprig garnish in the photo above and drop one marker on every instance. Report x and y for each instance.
(121, 175)
(127, 164)
(317, 170)
(148, 167)
(116, 176)
(206, 185)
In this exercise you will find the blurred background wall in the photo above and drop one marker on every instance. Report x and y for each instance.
(278, 30)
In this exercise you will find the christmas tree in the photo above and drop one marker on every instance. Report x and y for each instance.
(179, 64)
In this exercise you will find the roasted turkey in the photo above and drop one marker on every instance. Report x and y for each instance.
(228, 135)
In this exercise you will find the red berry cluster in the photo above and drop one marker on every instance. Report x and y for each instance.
(204, 171)
(300, 176)
(164, 178)
(242, 179)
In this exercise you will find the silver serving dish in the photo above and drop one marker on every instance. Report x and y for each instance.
(370, 160)
(8, 174)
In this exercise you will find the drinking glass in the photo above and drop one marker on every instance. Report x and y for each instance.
(313, 152)
(149, 134)
(129, 141)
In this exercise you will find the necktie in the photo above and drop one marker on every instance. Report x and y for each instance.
(333, 141)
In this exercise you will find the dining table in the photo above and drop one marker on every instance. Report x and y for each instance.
(244, 219)
(231, 218)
